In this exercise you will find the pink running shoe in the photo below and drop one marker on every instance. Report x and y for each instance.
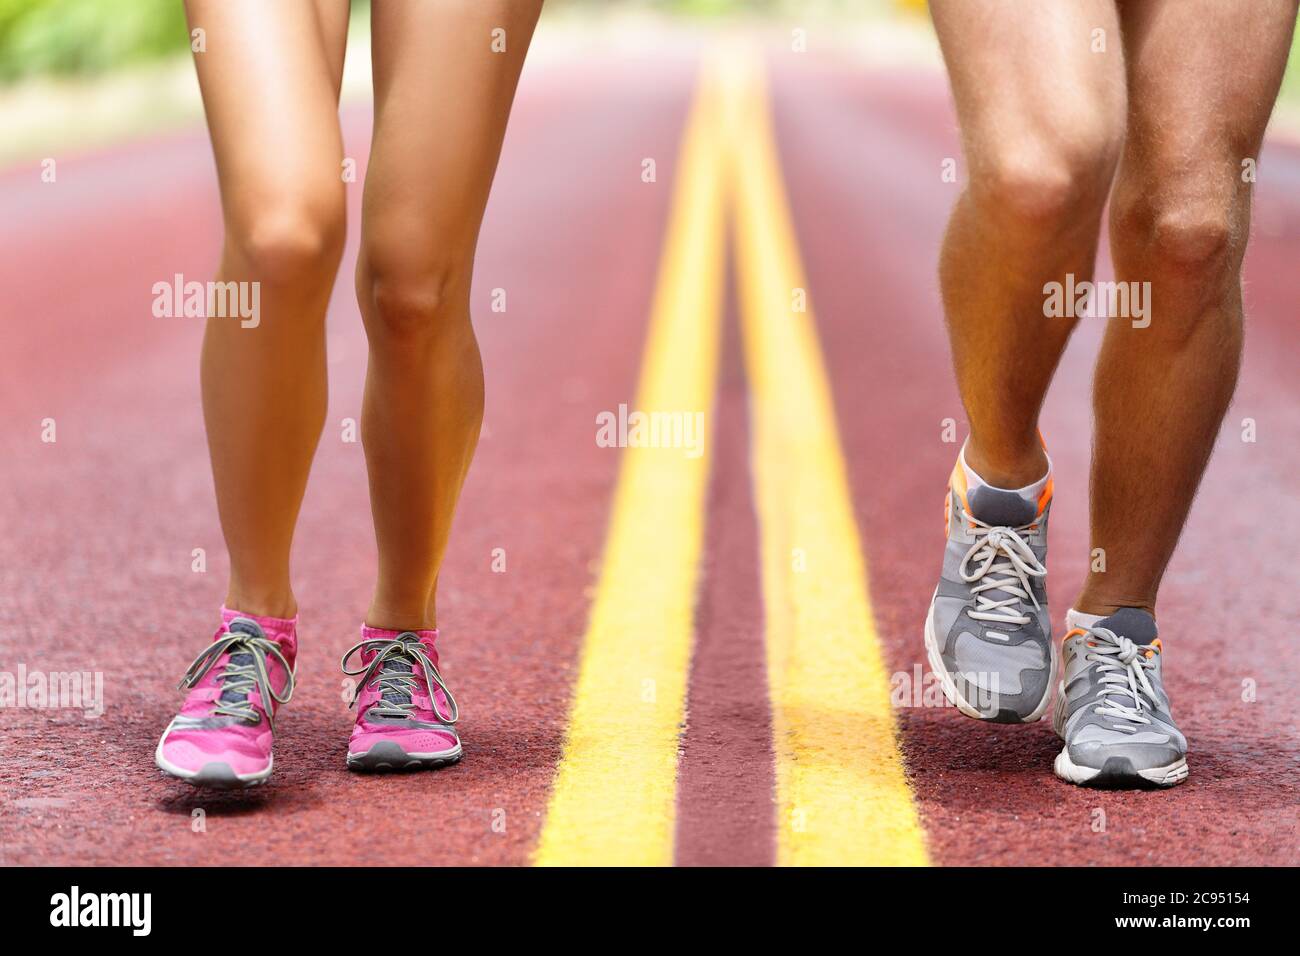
(222, 736)
(400, 701)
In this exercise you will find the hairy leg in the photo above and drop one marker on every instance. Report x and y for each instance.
(442, 99)
(1042, 114)
(270, 78)
(1203, 76)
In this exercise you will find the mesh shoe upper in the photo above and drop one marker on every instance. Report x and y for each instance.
(1115, 704)
(990, 616)
(235, 687)
(401, 697)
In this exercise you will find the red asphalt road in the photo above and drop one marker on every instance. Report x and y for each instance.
(99, 527)
(1228, 607)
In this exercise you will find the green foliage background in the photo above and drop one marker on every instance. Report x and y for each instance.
(92, 36)
(63, 37)
(86, 36)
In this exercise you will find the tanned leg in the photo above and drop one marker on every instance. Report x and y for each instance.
(270, 79)
(442, 98)
(1041, 113)
(1202, 79)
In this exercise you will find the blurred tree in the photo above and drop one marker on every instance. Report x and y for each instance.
(86, 36)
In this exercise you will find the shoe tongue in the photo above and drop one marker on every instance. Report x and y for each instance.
(245, 625)
(397, 665)
(1002, 508)
(1131, 622)
(241, 625)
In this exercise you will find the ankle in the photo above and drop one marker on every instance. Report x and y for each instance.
(273, 604)
(396, 617)
(1006, 465)
(1105, 606)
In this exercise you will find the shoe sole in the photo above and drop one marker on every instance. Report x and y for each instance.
(388, 757)
(955, 698)
(215, 775)
(1118, 772)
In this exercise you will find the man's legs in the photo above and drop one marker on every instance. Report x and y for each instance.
(1042, 121)
(1040, 95)
(1202, 78)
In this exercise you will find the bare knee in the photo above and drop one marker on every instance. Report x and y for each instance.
(1183, 236)
(1192, 236)
(294, 240)
(1044, 183)
(409, 303)
(1179, 231)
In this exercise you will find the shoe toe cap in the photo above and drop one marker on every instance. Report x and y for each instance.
(192, 751)
(415, 740)
(1140, 755)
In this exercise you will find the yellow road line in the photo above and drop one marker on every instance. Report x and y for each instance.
(614, 797)
(841, 791)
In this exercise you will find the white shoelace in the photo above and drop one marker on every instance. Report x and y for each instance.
(1123, 666)
(1006, 563)
(407, 649)
(242, 678)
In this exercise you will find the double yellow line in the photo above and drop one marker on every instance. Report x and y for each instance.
(614, 795)
(842, 797)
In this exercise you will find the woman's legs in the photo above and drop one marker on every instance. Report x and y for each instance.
(270, 79)
(443, 91)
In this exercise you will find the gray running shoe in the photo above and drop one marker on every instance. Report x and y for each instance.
(1113, 712)
(988, 634)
